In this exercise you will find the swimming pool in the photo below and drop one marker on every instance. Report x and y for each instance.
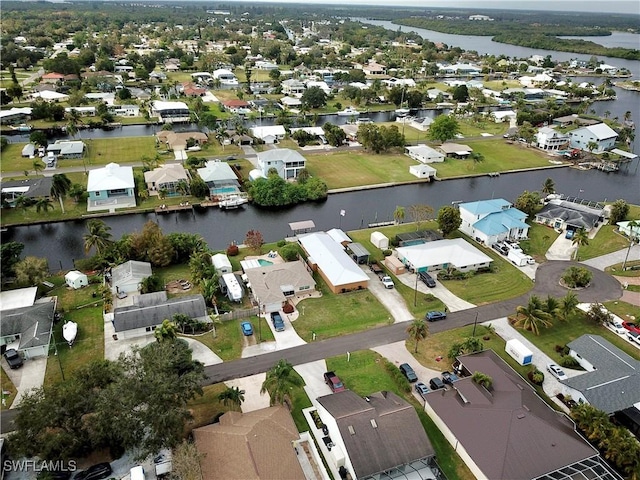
(223, 190)
(264, 263)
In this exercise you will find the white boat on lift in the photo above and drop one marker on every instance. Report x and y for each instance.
(69, 332)
(348, 112)
(232, 201)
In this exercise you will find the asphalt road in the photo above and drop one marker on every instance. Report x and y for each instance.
(603, 288)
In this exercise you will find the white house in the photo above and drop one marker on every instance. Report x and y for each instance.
(424, 154)
(221, 263)
(126, 277)
(422, 170)
(491, 221)
(170, 112)
(550, 139)
(76, 279)
(600, 134)
(111, 187)
(503, 116)
(269, 134)
(293, 87)
(226, 77)
(443, 254)
(285, 161)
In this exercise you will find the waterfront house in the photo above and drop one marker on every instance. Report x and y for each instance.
(491, 221)
(564, 214)
(424, 154)
(285, 161)
(225, 77)
(548, 138)
(170, 112)
(601, 136)
(455, 150)
(32, 188)
(111, 187)
(270, 134)
(438, 255)
(293, 87)
(67, 149)
(219, 177)
(166, 178)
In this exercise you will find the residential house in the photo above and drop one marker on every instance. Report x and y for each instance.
(49, 96)
(147, 312)
(111, 187)
(548, 138)
(322, 85)
(170, 112)
(127, 277)
(82, 111)
(494, 429)
(501, 116)
(491, 221)
(32, 188)
(202, 77)
(287, 163)
(15, 115)
(564, 214)
(181, 140)
(612, 379)
(67, 149)
(166, 178)
(293, 87)
(265, 65)
(27, 328)
(439, 255)
(422, 123)
(424, 154)
(465, 69)
(125, 110)
(436, 93)
(28, 151)
(225, 77)
(373, 68)
(600, 136)
(628, 230)
(375, 437)
(273, 285)
(237, 106)
(455, 150)
(256, 445)
(290, 102)
(219, 177)
(340, 272)
(52, 77)
(270, 134)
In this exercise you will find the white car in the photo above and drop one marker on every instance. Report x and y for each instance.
(556, 371)
(633, 337)
(387, 282)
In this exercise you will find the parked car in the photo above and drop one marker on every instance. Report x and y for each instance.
(387, 282)
(633, 337)
(435, 383)
(277, 321)
(632, 327)
(247, 329)
(13, 358)
(434, 316)
(334, 382)
(427, 279)
(95, 472)
(422, 389)
(449, 378)
(569, 234)
(556, 371)
(616, 326)
(408, 372)
(500, 248)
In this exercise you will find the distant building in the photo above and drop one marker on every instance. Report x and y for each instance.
(600, 135)
(424, 154)
(170, 112)
(550, 139)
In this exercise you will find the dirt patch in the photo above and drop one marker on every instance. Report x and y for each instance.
(249, 341)
(178, 286)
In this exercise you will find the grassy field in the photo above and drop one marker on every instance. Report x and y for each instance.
(365, 374)
(9, 387)
(617, 269)
(540, 239)
(606, 241)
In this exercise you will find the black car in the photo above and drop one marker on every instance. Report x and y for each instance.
(435, 383)
(448, 377)
(13, 358)
(408, 372)
(95, 472)
(427, 279)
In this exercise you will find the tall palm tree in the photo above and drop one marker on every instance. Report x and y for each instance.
(399, 214)
(232, 396)
(279, 381)
(97, 236)
(551, 305)
(44, 203)
(60, 186)
(532, 316)
(37, 166)
(568, 305)
(418, 330)
(580, 239)
(548, 186)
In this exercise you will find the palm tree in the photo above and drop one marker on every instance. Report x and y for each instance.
(37, 166)
(399, 214)
(482, 379)
(44, 203)
(532, 316)
(551, 305)
(548, 186)
(568, 305)
(182, 187)
(233, 396)
(580, 239)
(166, 332)
(418, 330)
(280, 380)
(97, 236)
(60, 186)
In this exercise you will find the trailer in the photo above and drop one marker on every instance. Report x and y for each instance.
(231, 287)
(519, 258)
(521, 354)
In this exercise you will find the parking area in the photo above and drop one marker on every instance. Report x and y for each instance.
(389, 297)
(29, 376)
(253, 399)
(453, 303)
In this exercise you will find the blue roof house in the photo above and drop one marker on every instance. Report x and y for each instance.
(491, 221)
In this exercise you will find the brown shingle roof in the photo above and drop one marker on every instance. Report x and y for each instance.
(247, 446)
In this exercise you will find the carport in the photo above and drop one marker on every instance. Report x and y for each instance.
(359, 254)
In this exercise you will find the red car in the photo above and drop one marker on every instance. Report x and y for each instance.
(632, 327)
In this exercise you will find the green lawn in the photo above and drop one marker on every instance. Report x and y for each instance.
(617, 269)
(606, 241)
(624, 310)
(365, 374)
(333, 315)
(540, 239)
(350, 169)
(7, 386)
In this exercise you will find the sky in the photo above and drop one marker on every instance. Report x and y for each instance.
(600, 6)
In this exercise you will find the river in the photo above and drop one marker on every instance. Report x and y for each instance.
(220, 228)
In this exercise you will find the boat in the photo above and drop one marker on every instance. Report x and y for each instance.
(69, 332)
(348, 112)
(23, 127)
(232, 201)
(403, 111)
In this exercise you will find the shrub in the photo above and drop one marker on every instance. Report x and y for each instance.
(577, 277)
(397, 376)
(288, 308)
(289, 252)
(386, 253)
(233, 250)
(281, 243)
(536, 376)
(569, 362)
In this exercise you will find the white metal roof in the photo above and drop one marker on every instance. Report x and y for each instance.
(454, 251)
(111, 177)
(21, 297)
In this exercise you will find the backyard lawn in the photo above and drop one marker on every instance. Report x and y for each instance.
(606, 241)
(540, 239)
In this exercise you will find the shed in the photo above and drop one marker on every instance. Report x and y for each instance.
(76, 279)
(221, 263)
(380, 240)
(422, 171)
(359, 254)
(29, 150)
(394, 265)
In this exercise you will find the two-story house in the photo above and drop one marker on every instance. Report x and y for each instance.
(285, 161)
(491, 221)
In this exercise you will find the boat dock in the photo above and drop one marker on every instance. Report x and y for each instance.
(174, 208)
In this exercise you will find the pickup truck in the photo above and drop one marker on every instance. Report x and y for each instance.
(377, 269)
(334, 382)
(387, 282)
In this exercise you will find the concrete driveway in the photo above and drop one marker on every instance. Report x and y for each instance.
(453, 303)
(389, 297)
(604, 261)
(253, 400)
(313, 375)
(561, 249)
(27, 377)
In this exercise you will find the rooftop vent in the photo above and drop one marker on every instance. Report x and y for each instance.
(351, 430)
(521, 416)
(373, 423)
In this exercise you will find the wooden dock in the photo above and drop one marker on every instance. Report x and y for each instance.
(174, 208)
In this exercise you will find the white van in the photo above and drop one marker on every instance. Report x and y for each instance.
(137, 473)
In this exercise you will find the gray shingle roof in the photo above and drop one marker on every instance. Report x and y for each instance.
(397, 439)
(33, 324)
(571, 213)
(131, 271)
(153, 310)
(615, 384)
(38, 187)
